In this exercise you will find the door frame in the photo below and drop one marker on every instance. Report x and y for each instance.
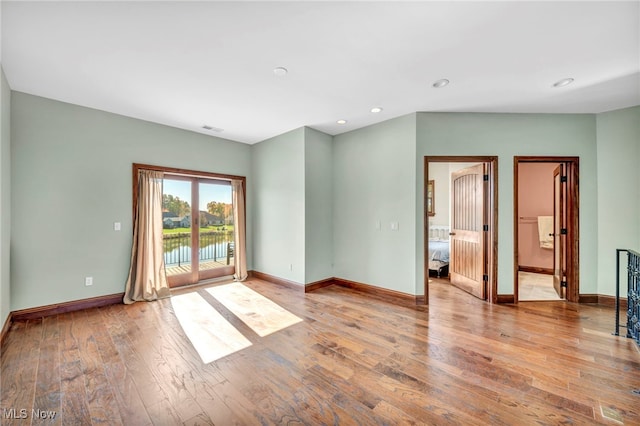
(559, 199)
(573, 206)
(491, 214)
(174, 172)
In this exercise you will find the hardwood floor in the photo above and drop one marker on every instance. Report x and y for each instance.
(354, 359)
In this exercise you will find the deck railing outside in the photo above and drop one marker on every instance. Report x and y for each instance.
(213, 246)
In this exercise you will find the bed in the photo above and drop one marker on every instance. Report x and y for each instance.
(438, 250)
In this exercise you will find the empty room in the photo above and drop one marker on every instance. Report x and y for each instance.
(319, 212)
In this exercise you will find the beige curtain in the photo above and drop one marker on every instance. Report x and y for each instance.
(147, 277)
(240, 231)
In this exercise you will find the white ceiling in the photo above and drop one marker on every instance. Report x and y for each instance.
(191, 64)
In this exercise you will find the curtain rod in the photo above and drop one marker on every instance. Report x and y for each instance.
(189, 173)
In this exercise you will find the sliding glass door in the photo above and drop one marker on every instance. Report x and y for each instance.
(198, 228)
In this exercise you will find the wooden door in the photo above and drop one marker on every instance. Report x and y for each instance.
(467, 267)
(559, 230)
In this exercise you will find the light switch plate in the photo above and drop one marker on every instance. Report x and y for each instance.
(117, 226)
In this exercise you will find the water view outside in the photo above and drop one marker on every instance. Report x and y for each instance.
(215, 222)
(214, 245)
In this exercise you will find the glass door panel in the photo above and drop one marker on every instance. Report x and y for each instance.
(177, 228)
(216, 229)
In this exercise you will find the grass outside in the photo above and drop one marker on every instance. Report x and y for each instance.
(220, 228)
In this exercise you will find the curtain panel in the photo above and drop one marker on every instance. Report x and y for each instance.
(147, 278)
(240, 230)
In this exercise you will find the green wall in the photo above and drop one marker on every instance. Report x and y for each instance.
(293, 205)
(71, 180)
(318, 169)
(5, 198)
(509, 135)
(314, 201)
(378, 177)
(279, 206)
(618, 191)
(374, 181)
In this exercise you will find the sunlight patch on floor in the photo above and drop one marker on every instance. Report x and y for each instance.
(261, 314)
(210, 333)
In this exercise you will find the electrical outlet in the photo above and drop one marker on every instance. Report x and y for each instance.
(88, 281)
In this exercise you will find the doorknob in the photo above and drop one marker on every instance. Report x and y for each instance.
(452, 233)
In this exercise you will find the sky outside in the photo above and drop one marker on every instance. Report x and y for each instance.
(208, 192)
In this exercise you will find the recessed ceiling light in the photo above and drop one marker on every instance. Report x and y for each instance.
(376, 109)
(440, 83)
(563, 82)
(212, 129)
(280, 71)
(341, 121)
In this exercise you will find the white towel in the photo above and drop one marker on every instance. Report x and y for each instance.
(545, 227)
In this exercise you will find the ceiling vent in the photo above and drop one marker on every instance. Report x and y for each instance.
(213, 129)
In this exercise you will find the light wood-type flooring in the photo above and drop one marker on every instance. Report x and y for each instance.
(354, 359)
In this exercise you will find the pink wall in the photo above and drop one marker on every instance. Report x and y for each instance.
(535, 198)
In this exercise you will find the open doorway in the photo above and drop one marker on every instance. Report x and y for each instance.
(460, 224)
(546, 228)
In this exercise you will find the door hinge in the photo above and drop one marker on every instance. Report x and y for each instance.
(485, 277)
(563, 179)
(485, 228)
(563, 284)
(563, 231)
(485, 178)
